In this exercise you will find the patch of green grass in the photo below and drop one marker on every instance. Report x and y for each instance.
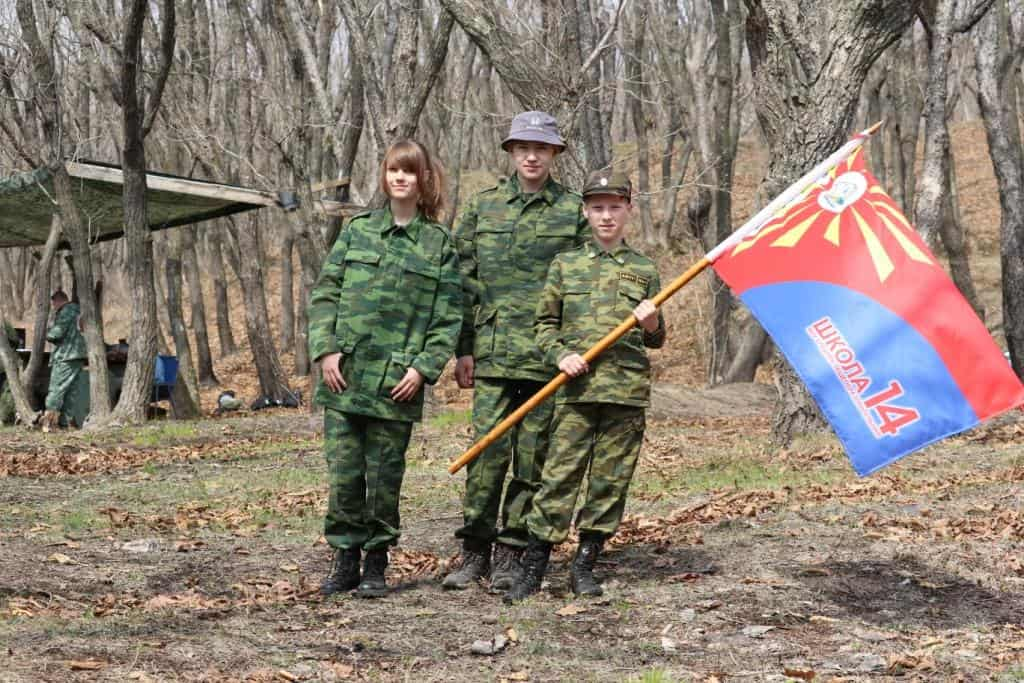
(78, 521)
(655, 676)
(451, 417)
(739, 474)
(158, 435)
(1015, 673)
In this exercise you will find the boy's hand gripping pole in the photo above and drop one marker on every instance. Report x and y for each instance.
(552, 386)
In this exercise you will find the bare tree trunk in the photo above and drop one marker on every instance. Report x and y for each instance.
(635, 77)
(873, 93)
(137, 387)
(458, 157)
(725, 139)
(287, 292)
(11, 367)
(932, 188)
(750, 353)
(33, 373)
(997, 59)
(273, 381)
(954, 240)
(190, 261)
(226, 339)
(185, 401)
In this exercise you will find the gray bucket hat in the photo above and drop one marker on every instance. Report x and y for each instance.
(534, 126)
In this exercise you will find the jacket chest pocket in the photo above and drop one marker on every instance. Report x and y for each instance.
(360, 269)
(420, 277)
(628, 297)
(553, 235)
(576, 306)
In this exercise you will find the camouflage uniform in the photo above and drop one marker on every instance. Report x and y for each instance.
(67, 358)
(388, 298)
(506, 240)
(599, 416)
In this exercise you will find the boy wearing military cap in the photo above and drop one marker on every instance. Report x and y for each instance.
(598, 424)
(506, 238)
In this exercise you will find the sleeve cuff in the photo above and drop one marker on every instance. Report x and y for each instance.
(321, 349)
(430, 372)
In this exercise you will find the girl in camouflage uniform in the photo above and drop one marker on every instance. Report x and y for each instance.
(383, 319)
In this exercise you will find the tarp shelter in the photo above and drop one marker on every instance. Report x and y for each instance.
(27, 202)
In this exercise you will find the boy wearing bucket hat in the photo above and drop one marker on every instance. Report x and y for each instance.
(506, 238)
(598, 424)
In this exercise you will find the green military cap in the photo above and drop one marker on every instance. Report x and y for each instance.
(608, 181)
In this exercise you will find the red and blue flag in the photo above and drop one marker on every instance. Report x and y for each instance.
(888, 347)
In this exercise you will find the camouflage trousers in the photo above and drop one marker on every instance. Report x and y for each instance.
(63, 376)
(365, 466)
(523, 447)
(596, 443)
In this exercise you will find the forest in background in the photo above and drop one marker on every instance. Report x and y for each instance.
(285, 95)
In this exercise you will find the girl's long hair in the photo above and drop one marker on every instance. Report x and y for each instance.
(412, 157)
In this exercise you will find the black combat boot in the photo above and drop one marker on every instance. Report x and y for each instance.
(373, 584)
(476, 564)
(581, 572)
(507, 567)
(344, 574)
(535, 563)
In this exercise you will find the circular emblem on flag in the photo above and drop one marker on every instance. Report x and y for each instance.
(845, 190)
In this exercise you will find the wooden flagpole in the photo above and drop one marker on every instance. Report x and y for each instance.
(747, 229)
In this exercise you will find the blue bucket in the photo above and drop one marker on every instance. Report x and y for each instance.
(166, 372)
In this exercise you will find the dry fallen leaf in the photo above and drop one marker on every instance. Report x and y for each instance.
(286, 676)
(523, 675)
(571, 610)
(288, 567)
(802, 674)
(512, 635)
(86, 665)
(60, 558)
(342, 670)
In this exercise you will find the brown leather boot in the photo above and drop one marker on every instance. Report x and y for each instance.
(581, 572)
(535, 564)
(344, 574)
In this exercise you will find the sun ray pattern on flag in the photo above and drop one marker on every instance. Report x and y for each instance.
(839, 207)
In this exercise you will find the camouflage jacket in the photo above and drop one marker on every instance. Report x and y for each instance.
(388, 298)
(68, 342)
(11, 335)
(588, 292)
(506, 241)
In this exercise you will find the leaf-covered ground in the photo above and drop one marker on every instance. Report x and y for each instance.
(191, 552)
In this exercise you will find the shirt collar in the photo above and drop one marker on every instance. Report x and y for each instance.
(412, 229)
(618, 254)
(549, 193)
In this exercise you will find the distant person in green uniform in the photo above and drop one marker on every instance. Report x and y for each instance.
(507, 236)
(599, 414)
(67, 359)
(383, 319)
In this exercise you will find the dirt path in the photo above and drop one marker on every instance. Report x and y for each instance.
(188, 552)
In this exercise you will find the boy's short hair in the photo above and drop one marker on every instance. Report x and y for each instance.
(608, 182)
